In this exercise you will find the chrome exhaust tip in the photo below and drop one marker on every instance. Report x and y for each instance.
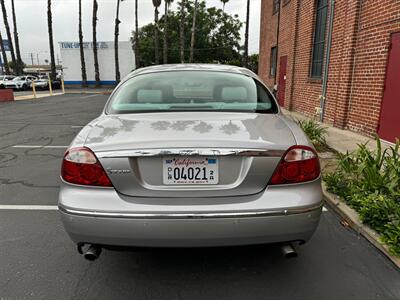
(288, 251)
(92, 253)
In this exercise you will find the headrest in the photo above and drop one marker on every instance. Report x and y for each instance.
(234, 94)
(149, 96)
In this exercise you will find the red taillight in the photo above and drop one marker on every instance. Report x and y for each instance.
(299, 164)
(80, 166)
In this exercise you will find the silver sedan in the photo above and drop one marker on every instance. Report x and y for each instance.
(190, 156)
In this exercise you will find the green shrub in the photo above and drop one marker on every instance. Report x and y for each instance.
(391, 237)
(337, 184)
(376, 210)
(369, 181)
(315, 132)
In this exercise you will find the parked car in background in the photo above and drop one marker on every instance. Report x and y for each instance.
(20, 83)
(42, 83)
(190, 156)
(5, 78)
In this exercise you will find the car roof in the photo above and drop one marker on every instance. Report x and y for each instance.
(192, 67)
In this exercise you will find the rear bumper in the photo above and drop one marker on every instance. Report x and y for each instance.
(105, 217)
(188, 231)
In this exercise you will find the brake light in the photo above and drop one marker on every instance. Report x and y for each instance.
(80, 166)
(299, 164)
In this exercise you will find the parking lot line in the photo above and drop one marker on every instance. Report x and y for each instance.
(90, 96)
(28, 207)
(40, 146)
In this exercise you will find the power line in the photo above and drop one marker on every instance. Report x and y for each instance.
(196, 49)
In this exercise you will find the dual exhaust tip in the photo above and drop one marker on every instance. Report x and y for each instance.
(93, 251)
(288, 251)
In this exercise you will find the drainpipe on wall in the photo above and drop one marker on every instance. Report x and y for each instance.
(277, 44)
(328, 57)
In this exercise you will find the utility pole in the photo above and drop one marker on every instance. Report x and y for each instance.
(31, 54)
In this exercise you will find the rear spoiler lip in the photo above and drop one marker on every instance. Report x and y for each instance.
(192, 152)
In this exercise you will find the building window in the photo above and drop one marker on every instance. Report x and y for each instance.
(275, 6)
(272, 63)
(318, 49)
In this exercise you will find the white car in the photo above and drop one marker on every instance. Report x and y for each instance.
(4, 79)
(20, 83)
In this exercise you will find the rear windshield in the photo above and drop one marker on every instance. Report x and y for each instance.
(191, 91)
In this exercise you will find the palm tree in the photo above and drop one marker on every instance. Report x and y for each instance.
(96, 58)
(51, 44)
(223, 4)
(193, 32)
(246, 37)
(83, 63)
(116, 34)
(10, 42)
(4, 54)
(156, 4)
(137, 55)
(182, 32)
(167, 5)
(16, 39)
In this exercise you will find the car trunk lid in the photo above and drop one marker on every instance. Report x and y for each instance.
(134, 150)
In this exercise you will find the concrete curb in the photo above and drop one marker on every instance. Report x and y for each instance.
(352, 218)
(38, 96)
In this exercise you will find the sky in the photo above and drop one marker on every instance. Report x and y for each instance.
(32, 22)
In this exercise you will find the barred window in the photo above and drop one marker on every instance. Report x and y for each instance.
(318, 49)
(272, 62)
(275, 6)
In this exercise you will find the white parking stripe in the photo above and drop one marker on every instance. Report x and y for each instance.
(28, 207)
(38, 146)
(90, 96)
(77, 126)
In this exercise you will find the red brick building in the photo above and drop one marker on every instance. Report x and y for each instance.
(338, 59)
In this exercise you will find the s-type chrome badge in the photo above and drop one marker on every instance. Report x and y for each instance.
(116, 172)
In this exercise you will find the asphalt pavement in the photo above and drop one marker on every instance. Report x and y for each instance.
(38, 261)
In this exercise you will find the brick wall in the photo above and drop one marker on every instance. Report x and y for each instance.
(306, 91)
(267, 41)
(360, 43)
(378, 20)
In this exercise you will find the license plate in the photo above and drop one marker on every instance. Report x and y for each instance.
(190, 170)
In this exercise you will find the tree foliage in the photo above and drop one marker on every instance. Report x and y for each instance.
(253, 63)
(217, 36)
(11, 65)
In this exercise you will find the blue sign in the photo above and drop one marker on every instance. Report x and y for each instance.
(6, 45)
(86, 45)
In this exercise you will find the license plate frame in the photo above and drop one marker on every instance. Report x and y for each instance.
(190, 171)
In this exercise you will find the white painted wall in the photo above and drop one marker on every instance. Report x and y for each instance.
(71, 61)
